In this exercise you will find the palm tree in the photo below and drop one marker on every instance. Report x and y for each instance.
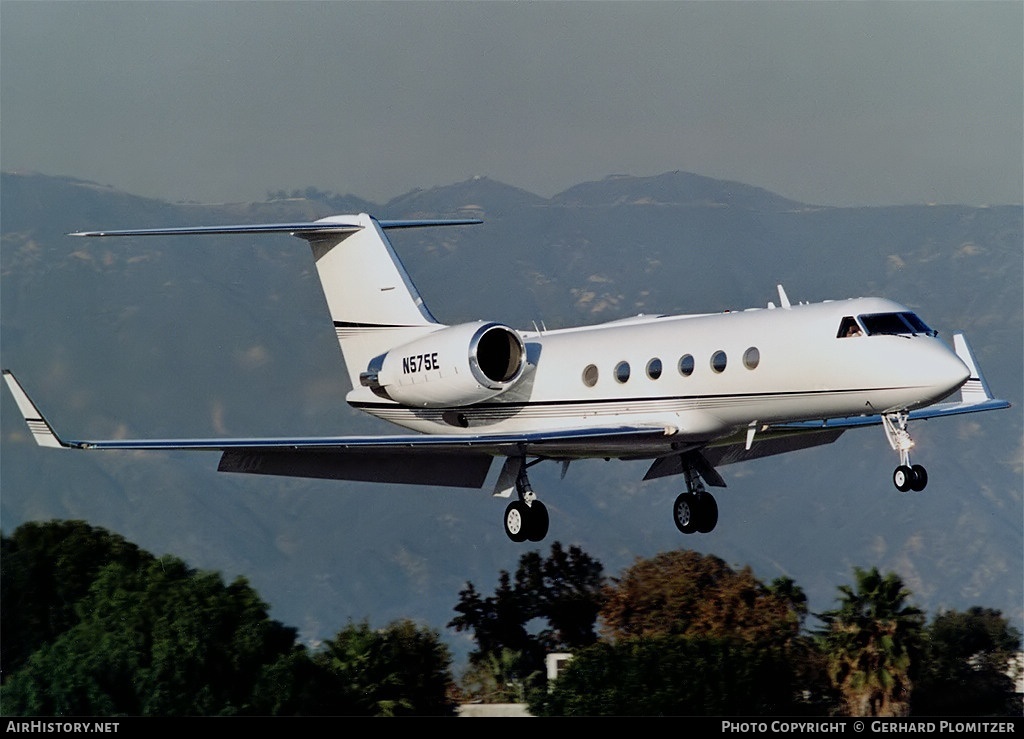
(868, 643)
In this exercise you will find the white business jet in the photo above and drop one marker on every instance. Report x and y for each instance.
(690, 393)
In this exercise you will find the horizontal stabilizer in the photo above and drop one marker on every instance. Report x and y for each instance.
(331, 226)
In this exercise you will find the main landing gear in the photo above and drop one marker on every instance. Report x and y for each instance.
(526, 517)
(907, 476)
(696, 510)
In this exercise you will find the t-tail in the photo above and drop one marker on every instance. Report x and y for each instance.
(372, 301)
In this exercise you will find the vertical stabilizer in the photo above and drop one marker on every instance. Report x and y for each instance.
(372, 301)
(364, 280)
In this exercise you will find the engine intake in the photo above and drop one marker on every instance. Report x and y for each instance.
(453, 366)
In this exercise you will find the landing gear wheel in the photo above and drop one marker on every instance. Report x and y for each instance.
(517, 518)
(707, 513)
(684, 513)
(536, 521)
(919, 479)
(902, 478)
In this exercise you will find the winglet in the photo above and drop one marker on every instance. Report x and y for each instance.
(38, 425)
(976, 389)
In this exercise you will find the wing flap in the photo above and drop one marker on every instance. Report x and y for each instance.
(467, 470)
(768, 447)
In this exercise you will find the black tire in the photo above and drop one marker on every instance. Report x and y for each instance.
(707, 513)
(919, 478)
(902, 477)
(517, 521)
(685, 514)
(537, 521)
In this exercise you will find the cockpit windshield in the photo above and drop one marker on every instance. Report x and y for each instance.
(848, 327)
(906, 323)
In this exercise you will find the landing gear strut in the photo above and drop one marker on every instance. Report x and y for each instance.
(526, 517)
(907, 476)
(696, 510)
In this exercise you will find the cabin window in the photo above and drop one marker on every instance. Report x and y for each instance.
(654, 368)
(848, 327)
(751, 358)
(590, 375)
(895, 323)
(622, 371)
(718, 360)
(686, 365)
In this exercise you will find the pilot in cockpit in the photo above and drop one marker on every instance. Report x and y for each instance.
(848, 328)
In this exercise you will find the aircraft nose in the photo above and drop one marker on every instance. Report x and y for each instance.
(947, 372)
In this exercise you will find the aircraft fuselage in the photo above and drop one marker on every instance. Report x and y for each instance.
(702, 375)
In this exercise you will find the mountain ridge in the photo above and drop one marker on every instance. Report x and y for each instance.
(228, 336)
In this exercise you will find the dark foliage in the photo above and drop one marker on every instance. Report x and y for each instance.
(45, 569)
(105, 629)
(402, 670)
(967, 666)
(563, 591)
(673, 676)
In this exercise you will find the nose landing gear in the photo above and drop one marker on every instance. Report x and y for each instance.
(907, 476)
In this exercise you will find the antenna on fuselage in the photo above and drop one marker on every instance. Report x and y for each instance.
(783, 298)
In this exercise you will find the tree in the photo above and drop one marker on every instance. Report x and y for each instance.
(500, 678)
(497, 622)
(696, 598)
(869, 643)
(563, 591)
(685, 593)
(567, 591)
(116, 631)
(969, 666)
(163, 640)
(45, 569)
(401, 670)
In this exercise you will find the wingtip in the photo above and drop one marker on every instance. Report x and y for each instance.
(39, 427)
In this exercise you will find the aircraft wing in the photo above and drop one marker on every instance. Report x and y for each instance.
(461, 460)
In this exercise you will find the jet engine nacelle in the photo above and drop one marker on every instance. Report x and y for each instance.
(453, 366)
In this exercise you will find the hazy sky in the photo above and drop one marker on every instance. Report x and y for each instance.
(830, 102)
